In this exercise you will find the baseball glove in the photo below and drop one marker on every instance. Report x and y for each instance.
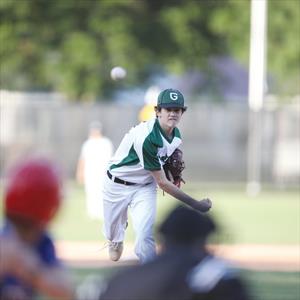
(174, 166)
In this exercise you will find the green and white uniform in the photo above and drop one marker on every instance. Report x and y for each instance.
(144, 148)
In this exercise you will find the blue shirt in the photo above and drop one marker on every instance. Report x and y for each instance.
(44, 249)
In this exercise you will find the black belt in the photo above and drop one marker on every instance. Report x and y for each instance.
(118, 180)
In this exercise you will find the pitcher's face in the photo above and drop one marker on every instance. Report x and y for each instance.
(169, 117)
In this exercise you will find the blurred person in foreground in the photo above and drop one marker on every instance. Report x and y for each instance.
(184, 270)
(29, 265)
(95, 153)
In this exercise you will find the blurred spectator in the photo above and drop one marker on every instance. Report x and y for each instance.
(29, 265)
(91, 168)
(147, 112)
(184, 270)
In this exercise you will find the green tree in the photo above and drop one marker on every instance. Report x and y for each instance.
(70, 46)
(232, 22)
(284, 45)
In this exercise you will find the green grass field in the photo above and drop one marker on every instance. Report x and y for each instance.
(273, 217)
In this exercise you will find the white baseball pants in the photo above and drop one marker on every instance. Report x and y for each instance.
(141, 201)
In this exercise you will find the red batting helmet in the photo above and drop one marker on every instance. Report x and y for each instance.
(33, 191)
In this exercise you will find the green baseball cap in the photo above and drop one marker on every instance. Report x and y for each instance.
(170, 98)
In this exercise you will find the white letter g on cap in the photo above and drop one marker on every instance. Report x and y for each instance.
(173, 96)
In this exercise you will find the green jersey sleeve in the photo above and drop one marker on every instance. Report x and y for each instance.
(151, 160)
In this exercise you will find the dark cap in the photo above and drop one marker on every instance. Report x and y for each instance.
(185, 225)
(170, 98)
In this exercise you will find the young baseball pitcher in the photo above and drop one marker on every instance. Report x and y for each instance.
(134, 173)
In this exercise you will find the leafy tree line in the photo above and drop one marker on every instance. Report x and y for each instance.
(70, 46)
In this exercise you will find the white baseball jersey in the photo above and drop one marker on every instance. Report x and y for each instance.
(143, 149)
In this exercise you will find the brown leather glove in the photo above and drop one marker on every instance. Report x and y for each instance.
(174, 166)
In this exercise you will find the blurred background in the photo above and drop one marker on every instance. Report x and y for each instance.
(56, 59)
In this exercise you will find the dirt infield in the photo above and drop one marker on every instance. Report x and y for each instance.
(259, 257)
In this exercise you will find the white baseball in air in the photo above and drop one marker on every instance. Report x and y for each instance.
(118, 73)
